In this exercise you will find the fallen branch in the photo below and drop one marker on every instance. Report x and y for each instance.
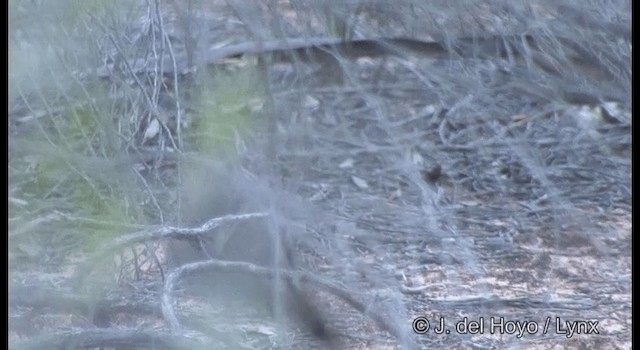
(383, 321)
(164, 232)
(305, 49)
(117, 338)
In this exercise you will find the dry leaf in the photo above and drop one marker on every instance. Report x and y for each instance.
(362, 184)
(347, 163)
(152, 130)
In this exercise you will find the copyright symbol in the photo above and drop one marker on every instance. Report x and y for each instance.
(420, 325)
